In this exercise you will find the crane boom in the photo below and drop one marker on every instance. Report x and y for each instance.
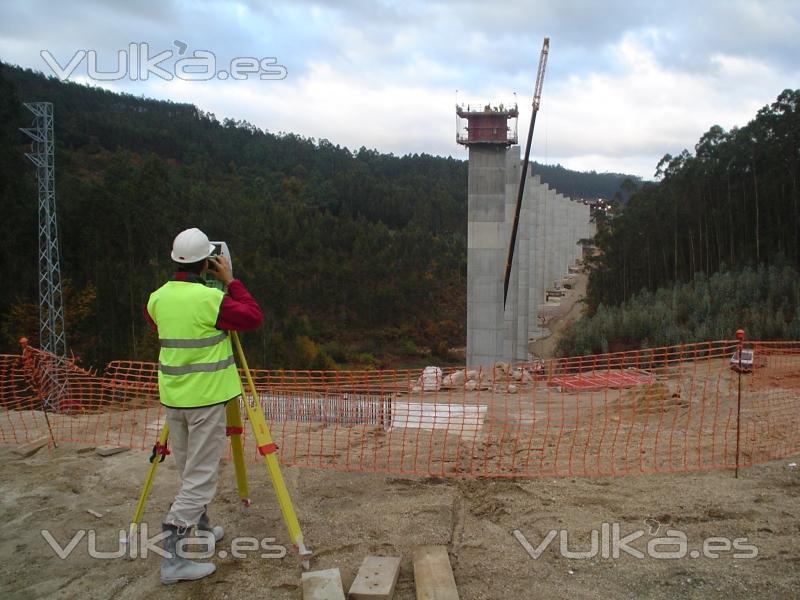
(537, 98)
(537, 93)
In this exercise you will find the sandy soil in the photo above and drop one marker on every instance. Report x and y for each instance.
(346, 516)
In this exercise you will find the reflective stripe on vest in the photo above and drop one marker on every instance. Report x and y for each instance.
(196, 364)
(196, 367)
(192, 343)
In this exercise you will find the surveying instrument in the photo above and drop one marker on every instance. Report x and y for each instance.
(235, 429)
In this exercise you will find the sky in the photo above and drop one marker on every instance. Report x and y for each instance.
(626, 81)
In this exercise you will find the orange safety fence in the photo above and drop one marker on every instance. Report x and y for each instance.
(674, 409)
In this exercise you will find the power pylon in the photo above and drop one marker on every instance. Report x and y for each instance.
(51, 309)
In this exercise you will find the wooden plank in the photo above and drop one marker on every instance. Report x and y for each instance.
(433, 576)
(376, 578)
(31, 448)
(322, 585)
(110, 450)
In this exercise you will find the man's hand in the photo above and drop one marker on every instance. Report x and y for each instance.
(220, 269)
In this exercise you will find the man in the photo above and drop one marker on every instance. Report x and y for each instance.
(197, 376)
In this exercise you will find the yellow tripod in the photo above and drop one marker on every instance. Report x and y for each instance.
(265, 445)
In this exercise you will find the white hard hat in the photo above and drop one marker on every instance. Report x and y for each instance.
(191, 246)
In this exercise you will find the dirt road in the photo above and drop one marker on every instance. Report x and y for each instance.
(571, 309)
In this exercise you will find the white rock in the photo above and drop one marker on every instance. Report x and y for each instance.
(500, 370)
(431, 379)
(454, 379)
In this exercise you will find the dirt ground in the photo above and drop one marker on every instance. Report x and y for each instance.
(346, 516)
(571, 308)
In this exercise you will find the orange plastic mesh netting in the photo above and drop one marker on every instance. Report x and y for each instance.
(674, 409)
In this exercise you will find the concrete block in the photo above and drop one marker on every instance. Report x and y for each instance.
(322, 585)
(375, 579)
(486, 207)
(487, 340)
(508, 349)
(30, 448)
(484, 361)
(484, 315)
(485, 289)
(485, 234)
(487, 156)
(481, 288)
(433, 576)
(490, 263)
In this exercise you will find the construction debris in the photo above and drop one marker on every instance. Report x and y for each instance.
(433, 576)
(500, 377)
(453, 380)
(376, 578)
(110, 450)
(431, 379)
(501, 370)
(31, 448)
(457, 419)
(322, 585)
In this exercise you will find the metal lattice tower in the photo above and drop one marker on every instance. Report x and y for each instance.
(51, 309)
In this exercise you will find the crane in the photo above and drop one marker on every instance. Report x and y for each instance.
(537, 98)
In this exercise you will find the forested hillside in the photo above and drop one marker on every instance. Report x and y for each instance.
(732, 209)
(734, 202)
(355, 255)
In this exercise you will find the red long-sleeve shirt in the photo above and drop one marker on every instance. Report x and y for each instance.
(239, 311)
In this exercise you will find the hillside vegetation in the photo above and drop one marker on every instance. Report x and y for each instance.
(764, 301)
(713, 246)
(356, 256)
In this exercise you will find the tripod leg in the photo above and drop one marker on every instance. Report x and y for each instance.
(267, 449)
(235, 430)
(159, 450)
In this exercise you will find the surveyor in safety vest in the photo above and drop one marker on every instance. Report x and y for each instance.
(197, 376)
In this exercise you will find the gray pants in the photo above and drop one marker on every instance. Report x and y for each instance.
(197, 439)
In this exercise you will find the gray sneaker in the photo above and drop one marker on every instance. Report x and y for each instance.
(175, 568)
(204, 525)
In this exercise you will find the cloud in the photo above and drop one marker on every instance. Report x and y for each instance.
(627, 81)
(327, 103)
(649, 110)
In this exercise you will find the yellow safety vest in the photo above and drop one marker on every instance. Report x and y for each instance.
(195, 365)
